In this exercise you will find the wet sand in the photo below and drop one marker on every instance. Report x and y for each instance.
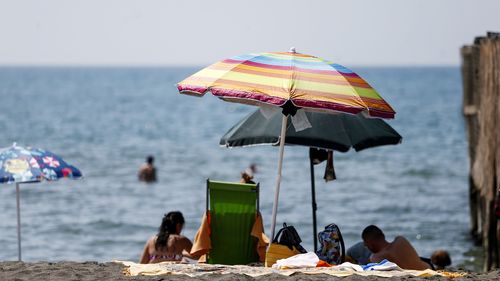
(63, 271)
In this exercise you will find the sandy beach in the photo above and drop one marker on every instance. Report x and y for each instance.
(59, 271)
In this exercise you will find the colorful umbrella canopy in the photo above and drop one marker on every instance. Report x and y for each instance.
(275, 78)
(28, 165)
(22, 165)
(289, 80)
(337, 132)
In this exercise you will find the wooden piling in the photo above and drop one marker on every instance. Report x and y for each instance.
(481, 109)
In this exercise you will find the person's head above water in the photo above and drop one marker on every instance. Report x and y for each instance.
(150, 159)
(172, 223)
(247, 175)
(373, 238)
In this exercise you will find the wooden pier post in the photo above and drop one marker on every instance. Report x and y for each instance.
(481, 109)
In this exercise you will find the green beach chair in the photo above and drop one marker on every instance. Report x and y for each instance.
(233, 208)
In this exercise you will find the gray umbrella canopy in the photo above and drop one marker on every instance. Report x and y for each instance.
(337, 132)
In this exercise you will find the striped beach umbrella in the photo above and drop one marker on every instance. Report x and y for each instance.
(291, 81)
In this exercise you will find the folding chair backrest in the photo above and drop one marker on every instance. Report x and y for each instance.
(233, 207)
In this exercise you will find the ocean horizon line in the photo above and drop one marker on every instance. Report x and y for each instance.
(190, 66)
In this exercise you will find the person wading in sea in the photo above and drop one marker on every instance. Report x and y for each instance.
(147, 172)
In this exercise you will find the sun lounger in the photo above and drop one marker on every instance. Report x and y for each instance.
(233, 208)
(231, 230)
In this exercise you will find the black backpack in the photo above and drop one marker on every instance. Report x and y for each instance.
(289, 237)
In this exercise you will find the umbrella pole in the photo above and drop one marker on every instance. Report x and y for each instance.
(314, 206)
(18, 223)
(278, 178)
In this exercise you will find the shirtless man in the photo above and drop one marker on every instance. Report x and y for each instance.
(399, 251)
(147, 172)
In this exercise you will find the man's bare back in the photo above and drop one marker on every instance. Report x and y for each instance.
(399, 251)
(402, 253)
(147, 173)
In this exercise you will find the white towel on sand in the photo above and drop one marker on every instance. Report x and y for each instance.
(298, 261)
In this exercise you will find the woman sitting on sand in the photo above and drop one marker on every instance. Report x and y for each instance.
(168, 244)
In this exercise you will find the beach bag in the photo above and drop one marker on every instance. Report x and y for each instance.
(285, 244)
(332, 248)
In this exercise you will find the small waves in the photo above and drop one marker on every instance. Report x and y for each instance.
(421, 173)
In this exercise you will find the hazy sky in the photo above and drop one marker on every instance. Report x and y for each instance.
(189, 32)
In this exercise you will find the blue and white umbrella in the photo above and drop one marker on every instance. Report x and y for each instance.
(27, 165)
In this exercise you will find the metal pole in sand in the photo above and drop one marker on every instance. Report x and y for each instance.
(18, 222)
(278, 178)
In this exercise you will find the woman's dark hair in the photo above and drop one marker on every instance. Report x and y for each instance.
(168, 226)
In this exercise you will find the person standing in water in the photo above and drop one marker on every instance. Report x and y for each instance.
(147, 172)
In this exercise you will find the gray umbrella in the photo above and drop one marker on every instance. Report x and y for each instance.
(337, 132)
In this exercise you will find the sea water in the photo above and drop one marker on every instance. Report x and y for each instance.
(105, 121)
